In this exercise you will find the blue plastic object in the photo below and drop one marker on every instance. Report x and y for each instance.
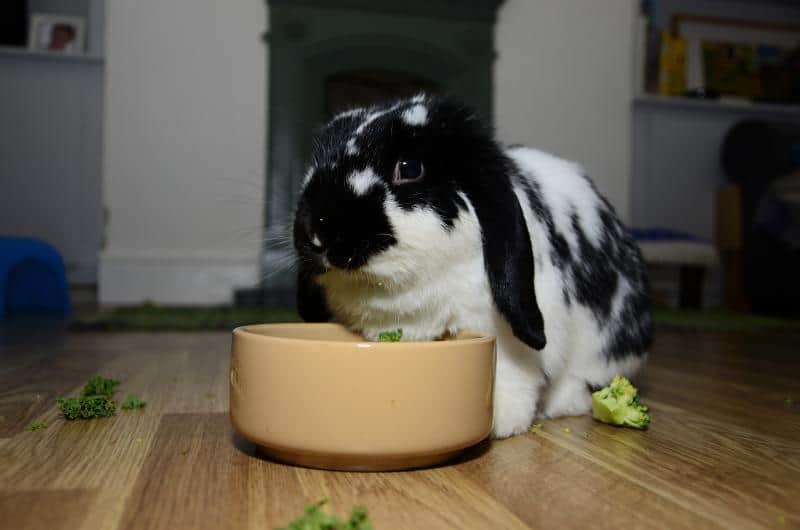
(32, 279)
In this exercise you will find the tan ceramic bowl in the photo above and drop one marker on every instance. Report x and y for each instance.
(317, 395)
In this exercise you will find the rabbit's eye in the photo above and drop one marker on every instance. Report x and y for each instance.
(406, 171)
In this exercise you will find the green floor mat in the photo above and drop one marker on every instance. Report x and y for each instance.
(724, 321)
(165, 318)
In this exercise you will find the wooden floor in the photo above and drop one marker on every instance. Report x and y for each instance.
(723, 450)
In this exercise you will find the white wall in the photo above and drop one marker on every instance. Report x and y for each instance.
(184, 149)
(51, 119)
(77, 8)
(563, 83)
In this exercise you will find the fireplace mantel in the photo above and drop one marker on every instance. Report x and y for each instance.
(479, 10)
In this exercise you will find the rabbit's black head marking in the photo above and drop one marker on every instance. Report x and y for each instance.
(362, 155)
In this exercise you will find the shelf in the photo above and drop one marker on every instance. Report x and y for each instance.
(710, 105)
(25, 53)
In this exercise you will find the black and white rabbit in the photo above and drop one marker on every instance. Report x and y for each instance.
(411, 216)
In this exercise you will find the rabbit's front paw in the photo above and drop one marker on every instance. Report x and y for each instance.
(513, 413)
(567, 396)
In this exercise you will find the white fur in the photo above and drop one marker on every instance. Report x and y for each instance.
(410, 287)
(348, 114)
(416, 115)
(307, 176)
(433, 281)
(361, 181)
(564, 190)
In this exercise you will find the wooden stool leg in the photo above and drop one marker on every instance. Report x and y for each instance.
(733, 276)
(691, 286)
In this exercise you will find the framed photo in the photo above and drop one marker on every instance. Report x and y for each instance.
(57, 33)
(729, 43)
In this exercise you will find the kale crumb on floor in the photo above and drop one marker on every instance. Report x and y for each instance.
(314, 518)
(96, 400)
(133, 402)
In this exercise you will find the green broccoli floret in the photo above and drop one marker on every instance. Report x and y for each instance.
(133, 402)
(314, 518)
(618, 404)
(391, 336)
(37, 425)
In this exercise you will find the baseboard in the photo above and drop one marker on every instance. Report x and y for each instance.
(177, 277)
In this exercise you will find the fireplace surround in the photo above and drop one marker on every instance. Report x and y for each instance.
(324, 55)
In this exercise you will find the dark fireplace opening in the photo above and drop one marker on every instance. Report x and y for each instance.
(366, 87)
(326, 57)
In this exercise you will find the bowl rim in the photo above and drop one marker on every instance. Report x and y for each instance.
(246, 332)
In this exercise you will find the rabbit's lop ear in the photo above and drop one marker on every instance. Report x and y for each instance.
(311, 303)
(485, 174)
(508, 258)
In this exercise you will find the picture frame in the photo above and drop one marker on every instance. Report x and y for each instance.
(53, 33)
(697, 29)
